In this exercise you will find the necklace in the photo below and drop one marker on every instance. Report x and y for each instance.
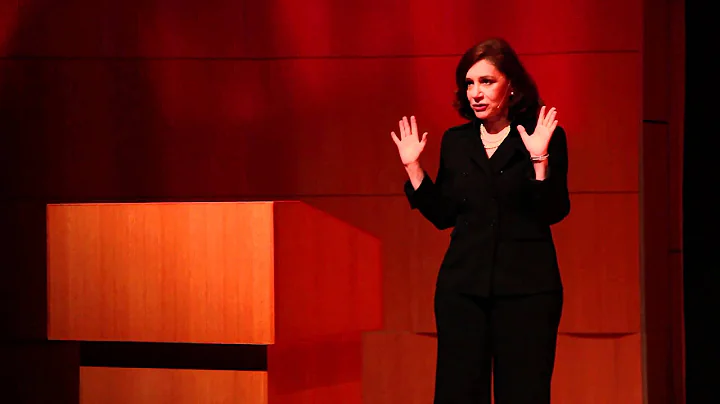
(493, 141)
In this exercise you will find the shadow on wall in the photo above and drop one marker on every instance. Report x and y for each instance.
(97, 104)
(72, 129)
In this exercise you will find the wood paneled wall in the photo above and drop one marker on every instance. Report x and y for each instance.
(245, 100)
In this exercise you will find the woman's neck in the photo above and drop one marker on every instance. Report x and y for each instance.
(493, 126)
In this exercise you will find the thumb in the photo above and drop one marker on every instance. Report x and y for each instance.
(523, 133)
(395, 138)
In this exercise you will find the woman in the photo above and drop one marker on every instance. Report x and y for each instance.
(501, 184)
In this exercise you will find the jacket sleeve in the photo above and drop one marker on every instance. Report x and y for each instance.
(551, 195)
(433, 199)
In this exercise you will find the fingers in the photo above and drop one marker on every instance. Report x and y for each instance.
(404, 128)
(553, 125)
(413, 126)
(541, 116)
(550, 118)
(408, 127)
(397, 140)
(546, 120)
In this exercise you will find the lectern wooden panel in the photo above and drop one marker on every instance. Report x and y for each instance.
(171, 386)
(161, 272)
(173, 276)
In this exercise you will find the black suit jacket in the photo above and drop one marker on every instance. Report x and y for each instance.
(501, 242)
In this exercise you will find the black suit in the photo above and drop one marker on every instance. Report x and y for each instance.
(499, 292)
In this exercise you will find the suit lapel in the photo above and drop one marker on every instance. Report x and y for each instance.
(475, 148)
(508, 149)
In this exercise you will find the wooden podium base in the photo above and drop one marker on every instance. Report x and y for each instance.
(253, 303)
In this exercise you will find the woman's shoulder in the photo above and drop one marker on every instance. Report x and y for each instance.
(457, 130)
(467, 126)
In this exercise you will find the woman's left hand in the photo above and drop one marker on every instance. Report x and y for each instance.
(537, 143)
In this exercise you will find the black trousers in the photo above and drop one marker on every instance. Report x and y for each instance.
(509, 340)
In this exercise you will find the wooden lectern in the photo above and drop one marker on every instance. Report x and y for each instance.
(254, 302)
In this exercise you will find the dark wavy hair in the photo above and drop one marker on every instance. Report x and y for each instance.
(525, 101)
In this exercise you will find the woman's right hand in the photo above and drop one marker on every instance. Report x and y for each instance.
(409, 145)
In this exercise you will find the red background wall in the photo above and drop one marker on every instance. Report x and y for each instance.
(245, 100)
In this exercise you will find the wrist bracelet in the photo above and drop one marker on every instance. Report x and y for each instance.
(540, 158)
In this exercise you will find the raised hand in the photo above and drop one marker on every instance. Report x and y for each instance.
(537, 143)
(409, 144)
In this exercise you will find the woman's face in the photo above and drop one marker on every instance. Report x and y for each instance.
(488, 91)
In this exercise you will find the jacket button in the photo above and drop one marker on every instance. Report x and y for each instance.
(501, 171)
